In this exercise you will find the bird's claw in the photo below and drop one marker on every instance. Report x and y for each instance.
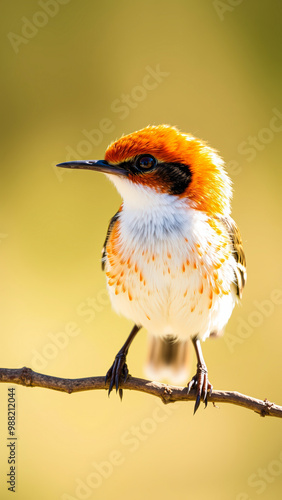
(117, 374)
(202, 386)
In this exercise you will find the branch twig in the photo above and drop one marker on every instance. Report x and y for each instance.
(167, 393)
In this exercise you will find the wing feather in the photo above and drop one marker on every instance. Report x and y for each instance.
(104, 249)
(239, 254)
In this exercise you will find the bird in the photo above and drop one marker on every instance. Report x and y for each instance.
(173, 255)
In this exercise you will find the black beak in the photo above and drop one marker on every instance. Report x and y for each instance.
(98, 165)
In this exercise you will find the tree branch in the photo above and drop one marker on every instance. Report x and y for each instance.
(167, 393)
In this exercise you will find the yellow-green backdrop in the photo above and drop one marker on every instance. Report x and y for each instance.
(75, 76)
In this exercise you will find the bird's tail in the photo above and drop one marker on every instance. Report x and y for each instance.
(168, 359)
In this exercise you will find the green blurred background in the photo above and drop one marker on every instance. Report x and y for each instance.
(66, 68)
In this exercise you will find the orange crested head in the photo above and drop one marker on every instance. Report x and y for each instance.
(168, 161)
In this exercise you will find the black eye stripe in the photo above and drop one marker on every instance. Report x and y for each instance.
(174, 178)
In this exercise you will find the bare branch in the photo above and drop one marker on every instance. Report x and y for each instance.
(167, 393)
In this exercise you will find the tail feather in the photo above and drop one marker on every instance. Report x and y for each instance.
(168, 359)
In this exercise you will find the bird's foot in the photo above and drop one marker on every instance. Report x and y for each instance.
(202, 385)
(118, 373)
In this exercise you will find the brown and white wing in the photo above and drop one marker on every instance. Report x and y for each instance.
(239, 254)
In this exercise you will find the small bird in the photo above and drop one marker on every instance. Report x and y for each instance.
(173, 256)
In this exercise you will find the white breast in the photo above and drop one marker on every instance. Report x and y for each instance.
(161, 238)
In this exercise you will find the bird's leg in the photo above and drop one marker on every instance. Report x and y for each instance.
(119, 370)
(200, 380)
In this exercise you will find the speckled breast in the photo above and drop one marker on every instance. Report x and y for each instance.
(171, 279)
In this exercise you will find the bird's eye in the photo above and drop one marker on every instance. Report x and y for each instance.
(146, 162)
